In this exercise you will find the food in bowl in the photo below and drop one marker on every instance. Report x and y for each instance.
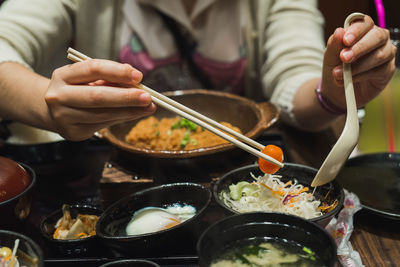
(18, 250)
(173, 134)
(266, 253)
(331, 195)
(67, 227)
(249, 237)
(154, 219)
(269, 193)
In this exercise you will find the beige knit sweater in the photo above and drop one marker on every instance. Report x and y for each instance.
(285, 39)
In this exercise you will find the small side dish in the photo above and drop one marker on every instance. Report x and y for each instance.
(67, 228)
(268, 193)
(15, 257)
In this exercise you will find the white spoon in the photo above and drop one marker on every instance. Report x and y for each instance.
(349, 137)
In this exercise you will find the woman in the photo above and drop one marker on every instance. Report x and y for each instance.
(267, 48)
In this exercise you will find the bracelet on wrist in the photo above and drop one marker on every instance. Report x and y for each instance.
(326, 104)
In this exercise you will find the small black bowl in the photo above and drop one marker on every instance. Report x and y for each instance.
(130, 263)
(304, 176)
(69, 247)
(16, 210)
(276, 227)
(26, 245)
(179, 239)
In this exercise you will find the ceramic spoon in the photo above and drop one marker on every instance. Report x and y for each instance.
(349, 137)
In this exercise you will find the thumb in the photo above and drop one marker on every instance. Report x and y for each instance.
(333, 48)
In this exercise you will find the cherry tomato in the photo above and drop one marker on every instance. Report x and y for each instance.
(274, 152)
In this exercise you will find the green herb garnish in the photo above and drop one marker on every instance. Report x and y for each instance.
(310, 253)
(157, 133)
(184, 123)
(193, 141)
(185, 140)
(253, 250)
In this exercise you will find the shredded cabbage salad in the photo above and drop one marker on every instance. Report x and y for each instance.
(269, 193)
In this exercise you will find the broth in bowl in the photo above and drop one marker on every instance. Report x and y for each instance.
(260, 252)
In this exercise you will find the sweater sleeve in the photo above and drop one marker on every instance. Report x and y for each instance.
(32, 31)
(293, 50)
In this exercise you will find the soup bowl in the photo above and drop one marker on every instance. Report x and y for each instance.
(251, 117)
(73, 246)
(111, 227)
(303, 174)
(29, 254)
(17, 181)
(290, 232)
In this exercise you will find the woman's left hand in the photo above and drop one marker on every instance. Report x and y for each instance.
(372, 56)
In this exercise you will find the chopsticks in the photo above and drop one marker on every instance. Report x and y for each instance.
(194, 116)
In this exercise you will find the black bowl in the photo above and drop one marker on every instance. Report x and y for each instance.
(26, 245)
(130, 263)
(303, 174)
(277, 227)
(375, 179)
(176, 240)
(69, 247)
(16, 210)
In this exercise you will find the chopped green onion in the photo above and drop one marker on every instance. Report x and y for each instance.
(310, 253)
(157, 133)
(185, 140)
(193, 141)
(307, 250)
(184, 123)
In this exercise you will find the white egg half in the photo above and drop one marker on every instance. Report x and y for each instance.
(149, 220)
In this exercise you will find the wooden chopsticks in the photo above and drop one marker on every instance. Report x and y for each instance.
(195, 117)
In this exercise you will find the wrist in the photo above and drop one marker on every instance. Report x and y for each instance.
(326, 104)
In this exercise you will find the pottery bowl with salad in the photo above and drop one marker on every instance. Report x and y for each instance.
(248, 189)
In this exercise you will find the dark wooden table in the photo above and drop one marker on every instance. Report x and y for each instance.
(377, 239)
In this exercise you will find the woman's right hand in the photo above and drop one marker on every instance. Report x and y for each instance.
(86, 96)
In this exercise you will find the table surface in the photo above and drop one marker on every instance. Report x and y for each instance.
(377, 239)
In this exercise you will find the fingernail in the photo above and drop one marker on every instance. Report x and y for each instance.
(348, 55)
(145, 98)
(137, 76)
(151, 108)
(349, 38)
(338, 73)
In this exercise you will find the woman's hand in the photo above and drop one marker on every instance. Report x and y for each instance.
(372, 56)
(87, 96)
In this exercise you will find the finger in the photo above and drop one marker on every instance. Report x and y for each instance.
(83, 131)
(107, 83)
(81, 96)
(357, 30)
(373, 39)
(378, 76)
(99, 69)
(374, 59)
(333, 48)
(103, 115)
